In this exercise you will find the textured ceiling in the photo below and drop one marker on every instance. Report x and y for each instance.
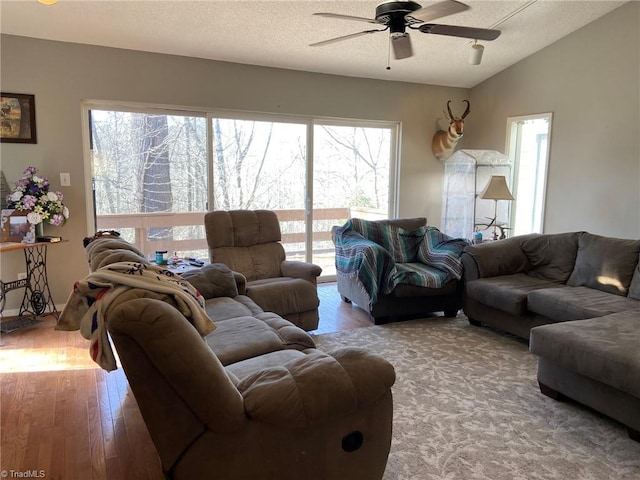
(278, 33)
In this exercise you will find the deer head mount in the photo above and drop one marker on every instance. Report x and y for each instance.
(444, 142)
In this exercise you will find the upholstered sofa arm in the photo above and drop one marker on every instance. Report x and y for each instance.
(241, 283)
(316, 388)
(307, 271)
(492, 259)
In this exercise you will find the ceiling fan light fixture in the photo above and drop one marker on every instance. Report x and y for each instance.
(476, 54)
(48, 2)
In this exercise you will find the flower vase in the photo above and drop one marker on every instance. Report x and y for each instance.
(39, 230)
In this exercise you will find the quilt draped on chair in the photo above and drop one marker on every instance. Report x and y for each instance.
(382, 256)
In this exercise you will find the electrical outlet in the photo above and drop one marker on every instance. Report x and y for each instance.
(65, 180)
(22, 275)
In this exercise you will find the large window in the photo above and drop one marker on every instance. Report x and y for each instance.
(156, 172)
(351, 178)
(528, 146)
(150, 177)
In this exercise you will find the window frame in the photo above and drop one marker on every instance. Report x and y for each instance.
(510, 149)
(210, 114)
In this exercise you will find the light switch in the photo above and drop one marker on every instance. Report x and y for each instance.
(65, 180)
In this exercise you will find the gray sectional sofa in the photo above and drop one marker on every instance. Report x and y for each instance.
(576, 298)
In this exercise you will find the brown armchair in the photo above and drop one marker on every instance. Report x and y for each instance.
(248, 242)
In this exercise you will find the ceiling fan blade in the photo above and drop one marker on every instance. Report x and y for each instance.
(438, 10)
(346, 17)
(401, 46)
(344, 37)
(465, 32)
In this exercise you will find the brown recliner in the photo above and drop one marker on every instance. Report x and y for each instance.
(248, 242)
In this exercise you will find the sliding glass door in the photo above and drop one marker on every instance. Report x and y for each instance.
(149, 176)
(156, 172)
(352, 172)
(263, 165)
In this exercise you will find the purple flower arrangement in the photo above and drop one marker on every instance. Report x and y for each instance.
(31, 193)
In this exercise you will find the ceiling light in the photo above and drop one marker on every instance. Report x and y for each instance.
(48, 2)
(475, 57)
(476, 54)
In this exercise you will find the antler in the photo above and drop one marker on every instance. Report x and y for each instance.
(466, 112)
(451, 117)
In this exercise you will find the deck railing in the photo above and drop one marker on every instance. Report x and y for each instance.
(291, 222)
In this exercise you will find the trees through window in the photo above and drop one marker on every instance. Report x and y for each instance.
(156, 172)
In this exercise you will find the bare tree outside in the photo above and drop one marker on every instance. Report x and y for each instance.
(351, 169)
(258, 165)
(150, 163)
(146, 165)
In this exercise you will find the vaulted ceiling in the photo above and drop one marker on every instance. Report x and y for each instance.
(278, 33)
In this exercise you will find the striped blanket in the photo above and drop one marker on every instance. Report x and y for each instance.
(381, 256)
(87, 306)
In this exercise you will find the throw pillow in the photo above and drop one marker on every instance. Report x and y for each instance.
(605, 263)
(552, 257)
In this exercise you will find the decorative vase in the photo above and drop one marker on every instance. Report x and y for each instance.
(39, 229)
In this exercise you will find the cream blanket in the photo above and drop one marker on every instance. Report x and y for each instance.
(91, 298)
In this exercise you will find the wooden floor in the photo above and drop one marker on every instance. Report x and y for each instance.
(63, 418)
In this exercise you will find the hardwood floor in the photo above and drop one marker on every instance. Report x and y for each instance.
(64, 418)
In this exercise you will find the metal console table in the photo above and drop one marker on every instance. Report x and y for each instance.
(37, 298)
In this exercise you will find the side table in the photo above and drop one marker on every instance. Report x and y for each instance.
(37, 298)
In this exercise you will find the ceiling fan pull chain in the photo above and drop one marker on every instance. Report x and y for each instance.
(389, 54)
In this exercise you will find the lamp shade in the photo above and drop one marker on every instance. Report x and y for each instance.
(497, 189)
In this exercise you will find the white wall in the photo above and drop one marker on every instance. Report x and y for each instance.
(590, 81)
(61, 75)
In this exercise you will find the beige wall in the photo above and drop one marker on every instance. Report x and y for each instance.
(590, 81)
(61, 75)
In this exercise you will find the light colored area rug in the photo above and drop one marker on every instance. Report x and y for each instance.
(467, 406)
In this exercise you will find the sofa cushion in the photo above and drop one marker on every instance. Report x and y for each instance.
(504, 257)
(606, 349)
(634, 287)
(257, 261)
(605, 263)
(242, 338)
(507, 292)
(213, 280)
(552, 257)
(292, 336)
(225, 308)
(283, 295)
(576, 303)
(252, 365)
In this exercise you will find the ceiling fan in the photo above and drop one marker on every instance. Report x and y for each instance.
(397, 16)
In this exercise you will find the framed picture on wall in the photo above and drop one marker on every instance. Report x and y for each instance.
(17, 118)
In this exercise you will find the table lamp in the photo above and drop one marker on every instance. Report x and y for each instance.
(495, 190)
